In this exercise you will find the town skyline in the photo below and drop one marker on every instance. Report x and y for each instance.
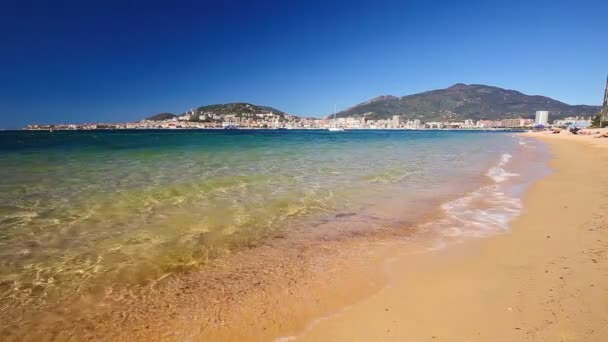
(440, 108)
(516, 117)
(267, 119)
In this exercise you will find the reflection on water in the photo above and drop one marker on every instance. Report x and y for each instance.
(89, 213)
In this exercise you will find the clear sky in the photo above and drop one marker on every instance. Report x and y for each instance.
(77, 62)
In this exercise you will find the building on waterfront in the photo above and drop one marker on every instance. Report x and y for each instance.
(512, 122)
(489, 124)
(396, 121)
(433, 125)
(413, 124)
(468, 123)
(517, 122)
(542, 117)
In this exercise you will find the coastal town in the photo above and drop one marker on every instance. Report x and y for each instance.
(271, 120)
(372, 114)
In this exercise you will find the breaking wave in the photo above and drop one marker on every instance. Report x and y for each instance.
(485, 211)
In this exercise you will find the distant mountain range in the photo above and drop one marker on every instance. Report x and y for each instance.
(460, 101)
(465, 101)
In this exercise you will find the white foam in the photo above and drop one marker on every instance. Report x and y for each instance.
(480, 213)
(498, 173)
(504, 159)
(524, 143)
(485, 211)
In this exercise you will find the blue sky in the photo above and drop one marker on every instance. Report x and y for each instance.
(77, 62)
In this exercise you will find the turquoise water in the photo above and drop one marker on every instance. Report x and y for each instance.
(87, 212)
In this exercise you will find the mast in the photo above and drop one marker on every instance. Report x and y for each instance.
(335, 108)
(604, 114)
(606, 94)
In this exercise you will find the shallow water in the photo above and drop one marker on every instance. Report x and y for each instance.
(85, 213)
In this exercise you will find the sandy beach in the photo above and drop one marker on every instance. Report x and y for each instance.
(546, 280)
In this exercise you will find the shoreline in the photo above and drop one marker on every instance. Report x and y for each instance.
(546, 279)
(350, 270)
(274, 289)
(299, 287)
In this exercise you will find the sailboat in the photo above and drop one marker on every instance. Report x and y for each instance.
(334, 126)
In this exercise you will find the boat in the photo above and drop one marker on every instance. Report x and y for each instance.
(228, 125)
(334, 127)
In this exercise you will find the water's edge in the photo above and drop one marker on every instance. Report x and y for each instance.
(294, 274)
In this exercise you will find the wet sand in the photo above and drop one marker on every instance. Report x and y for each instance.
(546, 280)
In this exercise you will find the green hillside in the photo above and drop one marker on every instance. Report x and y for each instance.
(462, 101)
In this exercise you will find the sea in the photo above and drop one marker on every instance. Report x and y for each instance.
(93, 214)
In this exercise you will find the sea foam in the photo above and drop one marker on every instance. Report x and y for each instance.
(485, 211)
(498, 173)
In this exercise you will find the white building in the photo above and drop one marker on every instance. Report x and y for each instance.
(396, 120)
(542, 117)
(413, 124)
(469, 123)
(434, 125)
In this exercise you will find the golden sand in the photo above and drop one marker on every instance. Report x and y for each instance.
(546, 280)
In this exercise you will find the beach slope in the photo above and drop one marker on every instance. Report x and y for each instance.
(545, 280)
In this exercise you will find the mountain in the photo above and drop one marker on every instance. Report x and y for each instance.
(161, 117)
(465, 101)
(238, 108)
(223, 109)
